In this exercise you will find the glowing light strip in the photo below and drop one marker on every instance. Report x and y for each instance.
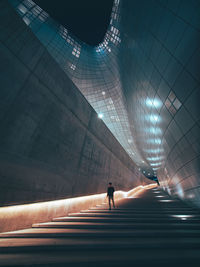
(118, 195)
(23, 216)
(139, 189)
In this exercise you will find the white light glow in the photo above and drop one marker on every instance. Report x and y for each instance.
(156, 164)
(153, 130)
(183, 217)
(153, 118)
(22, 8)
(73, 67)
(180, 190)
(26, 20)
(190, 196)
(100, 115)
(156, 141)
(29, 212)
(155, 158)
(166, 200)
(154, 103)
(154, 151)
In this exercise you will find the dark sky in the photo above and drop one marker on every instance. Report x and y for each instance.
(86, 19)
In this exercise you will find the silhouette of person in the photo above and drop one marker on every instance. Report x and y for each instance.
(110, 195)
(156, 179)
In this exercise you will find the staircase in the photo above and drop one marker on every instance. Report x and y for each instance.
(150, 230)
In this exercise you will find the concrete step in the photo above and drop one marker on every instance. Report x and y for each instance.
(52, 244)
(93, 233)
(122, 220)
(140, 232)
(145, 208)
(131, 215)
(116, 257)
(139, 225)
(161, 211)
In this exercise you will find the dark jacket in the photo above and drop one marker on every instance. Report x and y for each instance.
(110, 191)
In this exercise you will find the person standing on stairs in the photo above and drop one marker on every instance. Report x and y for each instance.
(110, 195)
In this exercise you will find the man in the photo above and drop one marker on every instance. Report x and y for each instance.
(110, 195)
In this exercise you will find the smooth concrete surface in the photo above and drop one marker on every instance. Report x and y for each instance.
(23, 216)
(52, 144)
(144, 78)
(140, 231)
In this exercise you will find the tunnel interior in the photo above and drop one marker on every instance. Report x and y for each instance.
(142, 80)
(76, 116)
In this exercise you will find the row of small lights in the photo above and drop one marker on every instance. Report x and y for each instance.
(154, 119)
(155, 103)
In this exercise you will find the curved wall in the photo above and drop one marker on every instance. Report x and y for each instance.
(52, 143)
(143, 80)
(161, 56)
(94, 70)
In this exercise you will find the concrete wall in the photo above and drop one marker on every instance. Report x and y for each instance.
(151, 82)
(161, 83)
(23, 216)
(52, 145)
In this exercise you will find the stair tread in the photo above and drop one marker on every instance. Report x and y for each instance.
(121, 234)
